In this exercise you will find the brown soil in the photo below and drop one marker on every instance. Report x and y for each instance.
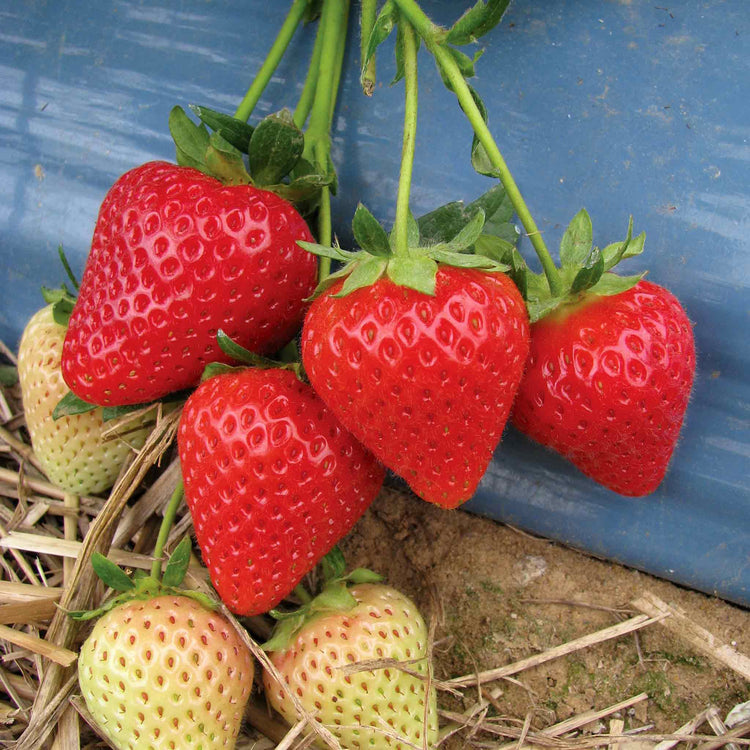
(498, 595)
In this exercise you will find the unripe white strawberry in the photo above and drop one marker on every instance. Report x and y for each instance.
(166, 673)
(383, 707)
(70, 449)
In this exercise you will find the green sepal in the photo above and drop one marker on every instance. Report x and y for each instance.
(494, 247)
(62, 302)
(303, 188)
(363, 575)
(539, 308)
(66, 266)
(467, 235)
(477, 21)
(70, 405)
(178, 563)
(369, 233)
(589, 273)
(238, 353)
(465, 260)
(191, 140)
(332, 565)
(362, 273)
(415, 272)
(237, 132)
(213, 369)
(111, 574)
(8, 375)
(445, 222)
(577, 241)
(334, 596)
(412, 232)
(225, 163)
(275, 147)
(610, 284)
(628, 248)
(334, 252)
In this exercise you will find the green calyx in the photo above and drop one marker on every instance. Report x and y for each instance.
(334, 597)
(142, 586)
(268, 155)
(584, 269)
(246, 358)
(478, 235)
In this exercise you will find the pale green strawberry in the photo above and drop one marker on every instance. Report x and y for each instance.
(71, 449)
(384, 707)
(166, 673)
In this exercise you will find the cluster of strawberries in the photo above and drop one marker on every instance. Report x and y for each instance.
(415, 353)
(278, 469)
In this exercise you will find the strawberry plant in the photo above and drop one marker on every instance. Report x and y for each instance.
(356, 657)
(72, 450)
(272, 480)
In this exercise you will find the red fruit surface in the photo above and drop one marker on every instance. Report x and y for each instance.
(176, 256)
(607, 385)
(425, 382)
(272, 480)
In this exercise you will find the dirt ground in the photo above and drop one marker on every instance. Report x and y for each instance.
(498, 595)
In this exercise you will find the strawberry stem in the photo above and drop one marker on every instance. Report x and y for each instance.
(261, 80)
(305, 102)
(432, 34)
(333, 25)
(401, 223)
(166, 526)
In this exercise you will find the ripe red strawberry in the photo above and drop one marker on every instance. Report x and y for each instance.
(384, 707)
(425, 382)
(71, 449)
(272, 480)
(166, 673)
(176, 256)
(607, 385)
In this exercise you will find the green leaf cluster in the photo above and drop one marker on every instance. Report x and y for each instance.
(463, 236)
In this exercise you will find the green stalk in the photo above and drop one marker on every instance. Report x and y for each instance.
(166, 526)
(302, 110)
(292, 21)
(333, 25)
(368, 15)
(432, 36)
(401, 225)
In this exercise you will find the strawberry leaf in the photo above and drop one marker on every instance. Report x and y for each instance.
(177, 566)
(369, 233)
(577, 240)
(8, 375)
(464, 62)
(275, 147)
(416, 272)
(237, 132)
(70, 405)
(477, 21)
(110, 573)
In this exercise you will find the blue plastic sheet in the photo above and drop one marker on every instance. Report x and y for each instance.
(626, 108)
